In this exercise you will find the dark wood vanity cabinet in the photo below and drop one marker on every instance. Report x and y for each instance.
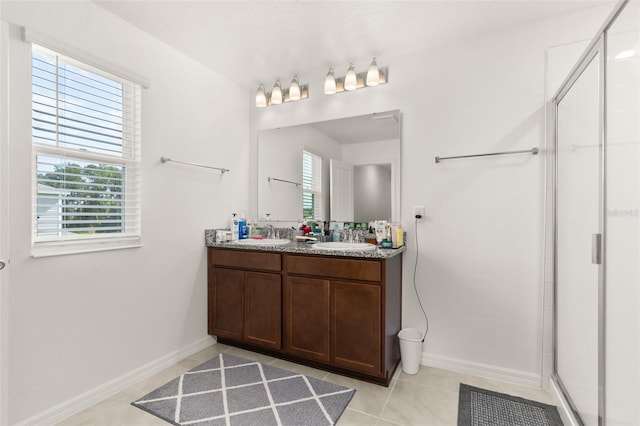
(245, 297)
(338, 313)
(349, 312)
(356, 321)
(226, 303)
(334, 321)
(307, 320)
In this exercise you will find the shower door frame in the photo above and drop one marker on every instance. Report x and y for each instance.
(595, 52)
(597, 47)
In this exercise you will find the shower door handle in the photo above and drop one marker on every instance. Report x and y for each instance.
(596, 249)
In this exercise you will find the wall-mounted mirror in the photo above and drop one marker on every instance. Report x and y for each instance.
(345, 170)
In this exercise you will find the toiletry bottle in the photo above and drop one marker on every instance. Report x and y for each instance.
(336, 233)
(233, 226)
(249, 228)
(379, 230)
(394, 236)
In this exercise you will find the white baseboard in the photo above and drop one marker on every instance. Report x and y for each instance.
(85, 400)
(484, 370)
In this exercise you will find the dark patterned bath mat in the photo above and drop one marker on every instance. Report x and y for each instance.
(481, 407)
(232, 390)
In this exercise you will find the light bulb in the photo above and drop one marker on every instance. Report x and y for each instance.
(261, 98)
(351, 80)
(276, 94)
(373, 75)
(294, 90)
(330, 83)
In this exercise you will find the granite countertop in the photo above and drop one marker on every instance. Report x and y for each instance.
(302, 248)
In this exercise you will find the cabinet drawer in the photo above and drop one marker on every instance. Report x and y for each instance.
(246, 259)
(356, 269)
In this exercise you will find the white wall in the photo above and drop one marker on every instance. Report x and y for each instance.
(481, 254)
(79, 321)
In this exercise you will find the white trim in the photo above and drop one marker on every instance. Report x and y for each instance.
(509, 375)
(564, 409)
(4, 221)
(76, 404)
(31, 36)
(63, 248)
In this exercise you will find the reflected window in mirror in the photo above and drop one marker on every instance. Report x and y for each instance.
(311, 186)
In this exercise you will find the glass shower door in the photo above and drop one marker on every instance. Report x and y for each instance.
(622, 318)
(578, 241)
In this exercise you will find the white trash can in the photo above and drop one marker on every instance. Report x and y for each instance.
(410, 349)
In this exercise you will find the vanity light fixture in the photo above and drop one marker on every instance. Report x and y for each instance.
(261, 97)
(351, 81)
(294, 89)
(278, 95)
(373, 75)
(330, 83)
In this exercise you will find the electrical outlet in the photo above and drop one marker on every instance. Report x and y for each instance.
(418, 213)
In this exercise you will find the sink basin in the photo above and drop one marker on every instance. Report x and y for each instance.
(263, 242)
(341, 246)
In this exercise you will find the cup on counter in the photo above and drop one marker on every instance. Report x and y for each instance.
(223, 235)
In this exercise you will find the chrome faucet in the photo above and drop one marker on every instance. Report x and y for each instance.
(350, 235)
(268, 231)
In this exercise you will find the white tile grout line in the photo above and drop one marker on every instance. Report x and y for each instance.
(395, 381)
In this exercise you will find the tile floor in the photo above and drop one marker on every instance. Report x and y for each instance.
(429, 398)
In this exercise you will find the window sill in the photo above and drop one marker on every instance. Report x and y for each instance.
(63, 248)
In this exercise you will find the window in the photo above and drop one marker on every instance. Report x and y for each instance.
(311, 186)
(86, 148)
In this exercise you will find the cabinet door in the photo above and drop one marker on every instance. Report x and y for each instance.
(226, 303)
(307, 318)
(356, 326)
(263, 314)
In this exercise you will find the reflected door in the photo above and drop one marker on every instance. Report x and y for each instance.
(578, 230)
(341, 191)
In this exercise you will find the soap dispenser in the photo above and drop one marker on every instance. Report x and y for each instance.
(233, 226)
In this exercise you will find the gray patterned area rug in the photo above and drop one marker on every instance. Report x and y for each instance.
(228, 390)
(481, 407)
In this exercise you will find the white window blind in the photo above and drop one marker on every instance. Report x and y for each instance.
(311, 186)
(86, 144)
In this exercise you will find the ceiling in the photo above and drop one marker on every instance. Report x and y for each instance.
(381, 126)
(260, 41)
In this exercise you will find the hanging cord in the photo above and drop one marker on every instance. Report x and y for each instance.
(415, 268)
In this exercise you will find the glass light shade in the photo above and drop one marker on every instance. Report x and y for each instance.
(330, 83)
(276, 94)
(373, 75)
(294, 90)
(261, 98)
(351, 80)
